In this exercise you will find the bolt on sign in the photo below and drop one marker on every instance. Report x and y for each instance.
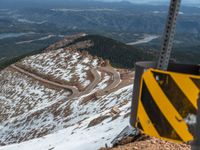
(166, 100)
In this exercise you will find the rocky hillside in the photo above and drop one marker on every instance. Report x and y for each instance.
(63, 99)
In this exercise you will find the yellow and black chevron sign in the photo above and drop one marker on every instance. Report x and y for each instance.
(166, 99)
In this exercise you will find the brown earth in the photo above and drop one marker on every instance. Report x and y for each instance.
(149, 143)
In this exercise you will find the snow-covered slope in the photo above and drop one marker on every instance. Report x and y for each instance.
(82, 136)
(62, 65)
(63, 99)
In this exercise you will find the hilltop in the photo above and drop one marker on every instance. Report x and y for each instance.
(118, 53)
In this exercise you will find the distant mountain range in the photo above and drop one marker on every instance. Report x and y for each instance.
(26, 26)
(156, 2)
(195, 3)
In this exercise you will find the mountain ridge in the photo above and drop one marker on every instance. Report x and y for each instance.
(63, 93)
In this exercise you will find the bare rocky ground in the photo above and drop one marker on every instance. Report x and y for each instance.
(148, 143)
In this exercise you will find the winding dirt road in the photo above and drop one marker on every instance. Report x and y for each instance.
(116, 77)
(97, 79)
(74, 90)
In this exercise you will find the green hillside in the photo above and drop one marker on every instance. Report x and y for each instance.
(119, 54)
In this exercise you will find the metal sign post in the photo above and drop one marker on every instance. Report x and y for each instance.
(169, 35)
